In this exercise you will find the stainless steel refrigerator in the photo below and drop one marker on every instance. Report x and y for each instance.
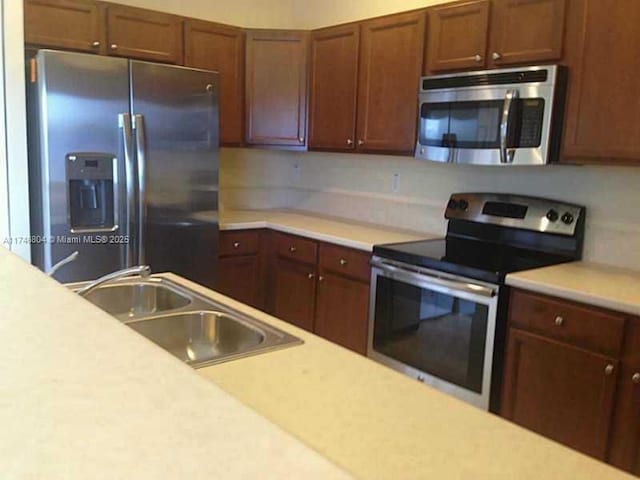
(123, 163)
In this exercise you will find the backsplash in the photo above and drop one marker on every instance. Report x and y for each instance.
(360, 187)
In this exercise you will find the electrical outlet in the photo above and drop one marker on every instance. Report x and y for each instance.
(296, 172)
(395, 182)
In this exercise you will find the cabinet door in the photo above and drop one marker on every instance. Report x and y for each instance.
(562, 392)
(333, 89)
(603, 110)
(220, 48)
(144, 34)
(526, 31)
(342, 312)
(625, 439)
(390, 66)
(239, 277)
(276, 88)
(68, 24)
(457, 37)
(295, 292)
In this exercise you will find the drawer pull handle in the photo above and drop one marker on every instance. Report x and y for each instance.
(310, 276)
(608, 370)
(321, 279)
(95, 44)
(114, 46)
(236, 244)
(635, 378)
(292, 249)
(559, 321)
(343, 262)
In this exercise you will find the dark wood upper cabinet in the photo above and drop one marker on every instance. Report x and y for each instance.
(144, 34)
(67, 24)
(526, 31)
(221, 48)
(333, 87)
(560, 391)
(390, 67)
(276, 88)
(603, 111)
(457, 36)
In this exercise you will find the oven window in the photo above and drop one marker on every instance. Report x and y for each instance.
(437, 333)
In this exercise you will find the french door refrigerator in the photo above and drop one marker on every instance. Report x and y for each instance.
(123, 161)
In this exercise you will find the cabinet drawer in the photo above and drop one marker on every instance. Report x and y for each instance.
(577, 324)
(345, 261)
(233, 243)
(296, 248)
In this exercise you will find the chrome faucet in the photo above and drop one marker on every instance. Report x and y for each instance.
(143, 270)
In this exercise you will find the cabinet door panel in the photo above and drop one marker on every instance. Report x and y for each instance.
(221, 48)
(603, 111)
(343, 310)
(390, 66)
(239, 277)
(333, 88)
(68, 24)
(527, 31)
(562, 392)
(457, 36)
(295, 292)
(144, 34)
(276, 88)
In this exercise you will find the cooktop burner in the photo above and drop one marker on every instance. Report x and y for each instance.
(476, 259)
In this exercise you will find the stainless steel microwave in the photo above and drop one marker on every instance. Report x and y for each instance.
(495, 117)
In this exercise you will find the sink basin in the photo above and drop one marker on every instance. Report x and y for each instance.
(190, 326)
(131, 300)
(200, 337)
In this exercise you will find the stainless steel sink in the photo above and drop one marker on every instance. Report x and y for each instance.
(196, 329)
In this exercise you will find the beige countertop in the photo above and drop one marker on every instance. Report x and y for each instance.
(344, 232)
(84, 397)
(378, 424)
(599, 285)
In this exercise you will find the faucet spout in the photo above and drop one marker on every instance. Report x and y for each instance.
(142, 270)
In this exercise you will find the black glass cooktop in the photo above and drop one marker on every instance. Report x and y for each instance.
(480, 260)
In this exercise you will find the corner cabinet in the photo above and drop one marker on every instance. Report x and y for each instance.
(218, 47)
(390, 66)
(68, 24)
(603, 111)
(276, 88)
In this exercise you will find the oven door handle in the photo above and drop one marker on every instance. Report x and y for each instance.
(454, 285)
(506, 154)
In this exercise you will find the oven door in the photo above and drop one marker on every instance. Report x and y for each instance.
(486, 126)
(434, 327)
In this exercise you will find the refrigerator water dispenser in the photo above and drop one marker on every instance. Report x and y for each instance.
(91, 180)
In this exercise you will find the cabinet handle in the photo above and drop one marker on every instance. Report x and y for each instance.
(114, 46)
(349, 141)
(301, 139)
(311, 276)
(559, 321)
(496, 56)
(477, 58)
(608, 370)
(292, 249)
(95, 44)
(236, 244)
(321, 278)
(635, 378)
(360, 142)
(343, 262)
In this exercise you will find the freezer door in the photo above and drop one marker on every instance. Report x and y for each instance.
(77, 169)
(175, 112)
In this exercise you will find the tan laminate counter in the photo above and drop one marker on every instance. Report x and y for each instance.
(599, 285)
(343, 232)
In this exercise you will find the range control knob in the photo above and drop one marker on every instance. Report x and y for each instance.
(567, 218)
(463, 205)
(552, 215)
(453, 204)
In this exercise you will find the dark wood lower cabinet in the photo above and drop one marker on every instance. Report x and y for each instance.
(295, 292)
(342, 311)
(238, 278)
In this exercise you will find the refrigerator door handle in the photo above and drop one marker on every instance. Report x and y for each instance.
(124, 123)
(141, 149)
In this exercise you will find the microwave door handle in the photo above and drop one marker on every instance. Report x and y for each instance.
(506, 156)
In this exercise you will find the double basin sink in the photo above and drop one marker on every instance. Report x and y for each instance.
(197, 330)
